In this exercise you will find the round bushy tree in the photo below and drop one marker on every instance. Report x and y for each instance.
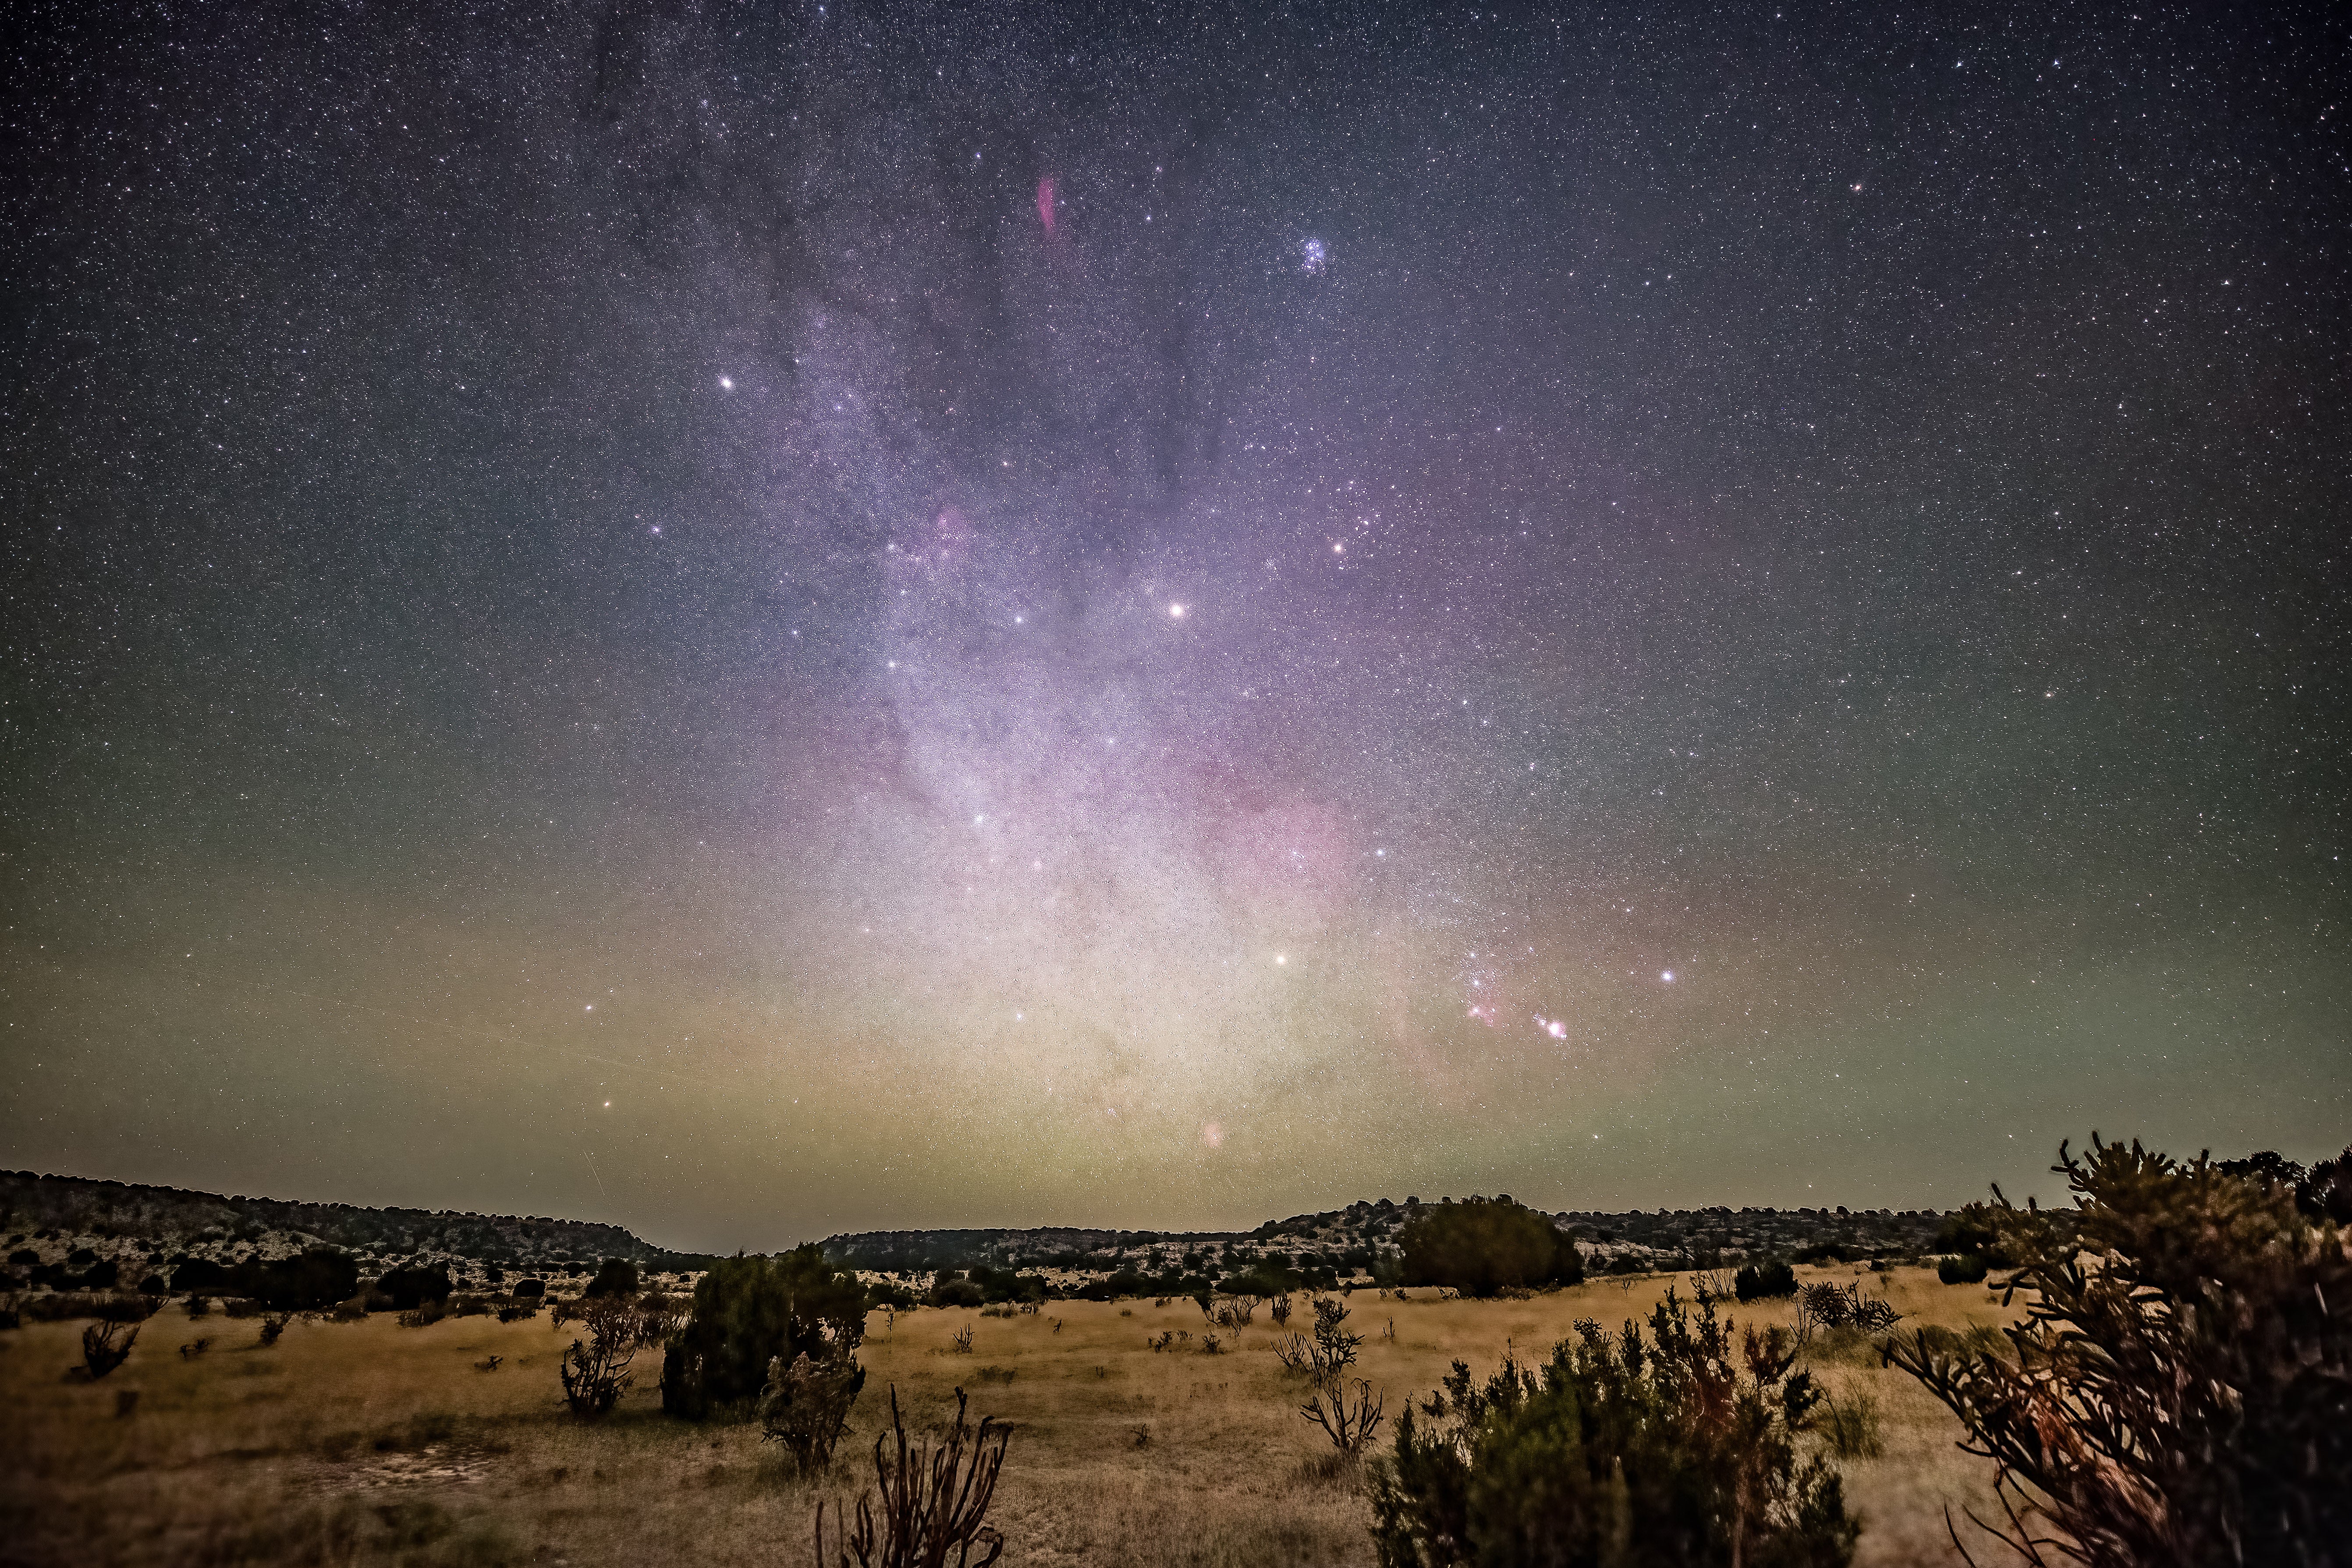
(412, 1287)
(1964, 1270)
(614, 1277)
(750, 1311)
(1485, 1246)
(1764, 1280)
(311, 1282)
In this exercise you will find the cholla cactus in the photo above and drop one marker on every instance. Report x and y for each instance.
(2181, 1399)
(934, 1501)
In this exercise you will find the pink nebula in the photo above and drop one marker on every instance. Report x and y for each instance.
(1046, 202)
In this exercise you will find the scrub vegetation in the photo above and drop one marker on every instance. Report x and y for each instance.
(2159, 1377)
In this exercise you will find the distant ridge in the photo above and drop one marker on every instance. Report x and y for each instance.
(125, 1210)
(1347, 1240)
(1355, 1238)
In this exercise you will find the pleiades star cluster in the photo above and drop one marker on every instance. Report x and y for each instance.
(759, 619)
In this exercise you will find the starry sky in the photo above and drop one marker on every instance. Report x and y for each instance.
(761, 619)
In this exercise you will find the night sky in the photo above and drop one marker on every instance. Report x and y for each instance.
(753, 620)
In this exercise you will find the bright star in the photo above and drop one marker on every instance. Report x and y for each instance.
(726, 383)
(1176, 612)
(1667, 975)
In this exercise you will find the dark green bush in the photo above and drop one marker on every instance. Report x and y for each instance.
(1763, 1280)
(614, 1277)
(314, 1280)
(1481, 1247)
(890, 1293)
(749, 1311)
(1966, 1270)
(529, 1290)
(2004, 1235)
(411, 1288)
(105, 1346)
(1674, 1450)
(952, 1293)
(311, 1282)
(1267, 1279)
(201, 1275)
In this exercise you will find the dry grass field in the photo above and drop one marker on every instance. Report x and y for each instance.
(367, 1443)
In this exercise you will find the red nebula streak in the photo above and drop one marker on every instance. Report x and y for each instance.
(1045, 202)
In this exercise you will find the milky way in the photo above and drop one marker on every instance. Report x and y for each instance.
(758, 620)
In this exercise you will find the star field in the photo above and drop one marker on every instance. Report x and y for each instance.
(764, 620)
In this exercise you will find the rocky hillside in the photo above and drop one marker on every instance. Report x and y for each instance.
(1351, 1240)
(65, 1225)
(117, 1220)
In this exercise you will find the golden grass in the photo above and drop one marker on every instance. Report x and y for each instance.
(369, 1443)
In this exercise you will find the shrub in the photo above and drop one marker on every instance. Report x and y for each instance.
(1481, 1246)
(529, 1290)
(596, 1370)
(1679, 1448)
(806, 1407)
(1967, 1270)
(750, 1312)
(1850, 1426)
(105, 1346)
(1763, 1280)
(2324, 1193)
(614, 1277)
(1841, 1306)
(2185, 1400)
(933, 1502)
(888, 1295)
(310, 1282)
(412, 1287)
(2004, 1235)
(1348, 1418)
(957, 1293)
